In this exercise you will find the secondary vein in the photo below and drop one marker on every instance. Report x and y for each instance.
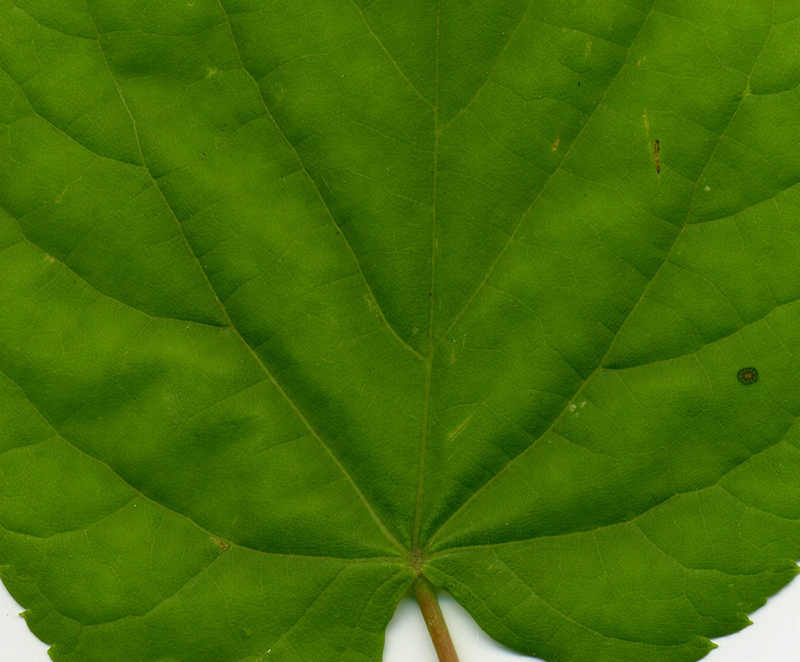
(367, 505)
(300, 161)
(601, 365)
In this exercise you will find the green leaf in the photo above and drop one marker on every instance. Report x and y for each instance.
(300, 299)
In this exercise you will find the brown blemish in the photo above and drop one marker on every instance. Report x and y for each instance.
(555, 144)
(748, 376)
(222, 544)
(656, 149)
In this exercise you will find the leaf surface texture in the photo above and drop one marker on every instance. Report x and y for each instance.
(298, 298)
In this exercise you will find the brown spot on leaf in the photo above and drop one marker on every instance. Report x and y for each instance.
(656, 149)
(747, 376)
(222, 544)
(555, 144)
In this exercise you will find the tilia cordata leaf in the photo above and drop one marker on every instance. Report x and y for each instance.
(305, 306)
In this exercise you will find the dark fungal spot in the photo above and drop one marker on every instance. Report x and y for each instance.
(656, 149)
(747, 376)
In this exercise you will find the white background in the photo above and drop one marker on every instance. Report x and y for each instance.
(775, 635)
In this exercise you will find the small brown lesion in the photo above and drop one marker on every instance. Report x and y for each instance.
(747, 375)
(656, 149)
(222, 544)
(555, 143)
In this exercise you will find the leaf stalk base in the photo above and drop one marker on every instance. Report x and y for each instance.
(425, 594)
